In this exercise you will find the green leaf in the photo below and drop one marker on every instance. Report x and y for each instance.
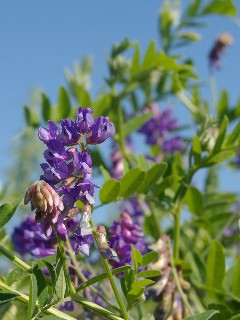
(234, 135)
(142, 283)
(215, 265)
(31, 117)
(149, 257)
(196, 150)
(190, 36)
(42, 289)
(207, 315)
(152, 177)
(194, 200)
(134, 294)
(222, 105)
(221, 157)
(60, 285)
(149, 274)
(221, 135)
(102, 276)
(46, 107)
(149, 57)
(95, 307)
(83, 96)
(32, 296)
(135, 123)
(225, 7)
(224, 312)
(167, 183)
(236, 278)
(16, 274)
(141, 162)
(50, 317)
(131, 182)
(136, 258)
(6, 297)
(7, 210)
(197, 267)
(109, 191)
(105, 173)
(64, 104)
(135, 63)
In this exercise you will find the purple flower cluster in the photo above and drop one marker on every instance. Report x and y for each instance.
(29, 238)
(125, 233)
(159, 127)
(69, 169)
(67, 174)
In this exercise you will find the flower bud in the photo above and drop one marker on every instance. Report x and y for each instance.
(103, 247)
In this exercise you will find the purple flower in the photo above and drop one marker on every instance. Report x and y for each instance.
(47, 135)
(82, 243)
(123, 234)
(68, 134)
(84, 120)
(68, 306)
(101, 130)
(172, 145)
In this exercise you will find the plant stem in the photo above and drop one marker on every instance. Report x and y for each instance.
(115, 290)
(24, 298)
(15, 259)
(83, 278)
(178, 284)
(110, 276)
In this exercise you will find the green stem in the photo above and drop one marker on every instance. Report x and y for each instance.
(115, 290)
(83, 278)
(25, 299)
(65, 267)
(110, 276)
(187, 102)
(178, 284)
(213, 88)
(15, 259)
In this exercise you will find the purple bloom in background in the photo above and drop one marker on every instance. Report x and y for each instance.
(29, 238)
(223, 41)
(135, 210)
(117, 159)
(101, 130)
(159, 125)
(125, 233)
(175, 144)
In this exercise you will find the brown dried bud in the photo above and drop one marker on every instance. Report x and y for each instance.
(43, 197)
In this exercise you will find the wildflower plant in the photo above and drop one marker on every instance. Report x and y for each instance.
(166, 247)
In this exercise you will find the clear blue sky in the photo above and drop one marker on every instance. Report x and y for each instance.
(39, 39)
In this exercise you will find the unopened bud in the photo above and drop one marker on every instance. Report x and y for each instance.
(103, 247)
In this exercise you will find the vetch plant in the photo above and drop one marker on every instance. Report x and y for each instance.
(167, 239)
